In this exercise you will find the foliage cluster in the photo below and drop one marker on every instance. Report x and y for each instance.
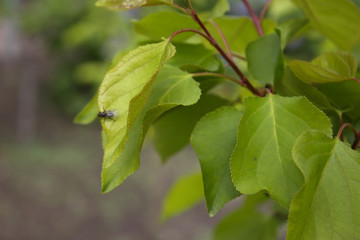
(282, 133)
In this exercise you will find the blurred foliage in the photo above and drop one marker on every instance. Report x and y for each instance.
(81, 39)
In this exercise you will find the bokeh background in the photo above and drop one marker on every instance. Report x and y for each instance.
(53, 54)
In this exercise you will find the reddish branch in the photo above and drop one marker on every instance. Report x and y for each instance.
(356, 134)
(254, 18)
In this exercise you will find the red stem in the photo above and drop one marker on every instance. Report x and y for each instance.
(189, 30)
(263, 11)
(216, 75)
(356, 141)
(254, 18)
(356, 134)
(221, 51)
(223, 38)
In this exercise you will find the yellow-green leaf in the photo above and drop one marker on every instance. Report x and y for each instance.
(172, 87)
(336, 19)
(184, 194)
(124, 91)
(330, 67)
(131, 4)
(328, 205)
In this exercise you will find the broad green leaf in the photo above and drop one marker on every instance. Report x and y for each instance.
(131, 4)
(184, 194)
(247, 223)
(195, 56)
(172, 87)
(239, 31)
(336, 19)
(289, 85)
(267, 131)
(158, 25)
(214, 139)
(329, 67)
(328, 205)
(89, 113)
(265, 59)
(289, 29)
(172, 131)
(345, 96)
(124, 91)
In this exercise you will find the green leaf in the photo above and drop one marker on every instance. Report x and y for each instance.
(265, 59)
(345, 96)
(239, 31)
(172, 130)
(336, 19)
(89, 113)
(205, 59)
(289, 85)
(289, 29)
(330, 67)
(247, 223)
(267, 131)
(328, 205)
(131, 4)
(156, 26)
(124, 91)
(184, 194)
(219, 10)
(214, 139)
(172, 87)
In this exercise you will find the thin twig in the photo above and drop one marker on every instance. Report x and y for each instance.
(356, 141)
(226, 43)
(356, 134)
(190, 30)
(254, 18)
(263, 11)
(221, 51)
(217, 75)
(238, 55)
(186, 11)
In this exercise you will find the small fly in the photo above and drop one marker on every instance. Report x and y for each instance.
(107, 114)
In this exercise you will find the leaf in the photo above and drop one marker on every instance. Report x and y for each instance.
(205, 59)
(213, 140)
(172, 87)
(89, 113)
(328, 205)
(345, 96)
(289, 85)
(156, 26)
(184, 194)
(239, 31)
(265, 59)
(219, 10)
(267, 131)
(247, 223)
(289, 29)
(330, 67)
(130, 4)
(336, 19)
(124, 91)
(172, 130)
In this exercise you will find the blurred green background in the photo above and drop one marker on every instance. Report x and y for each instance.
(53, 54)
